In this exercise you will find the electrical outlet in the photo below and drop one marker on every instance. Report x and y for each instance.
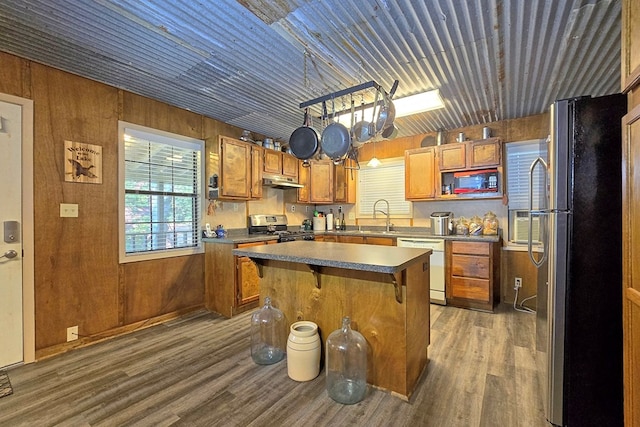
(517, 283)
(72, 333)
(352, 215)
(293, 208)
(68, 210)
(340, 208)
(306, 209)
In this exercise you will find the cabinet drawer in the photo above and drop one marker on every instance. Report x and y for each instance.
(474, 289)
(471, 248)
(470, 266)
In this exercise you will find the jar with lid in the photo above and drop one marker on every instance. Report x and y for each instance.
(475, 226)
(490, 224)
(268, 335)
(346, 359)
(462, 226)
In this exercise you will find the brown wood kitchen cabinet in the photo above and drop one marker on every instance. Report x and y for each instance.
(467, 155)
(420, 173)
(345, 182)
(240, 169)
(472, 274)
(232, 284)
(318, 182)
(279, 163)
(452, 156)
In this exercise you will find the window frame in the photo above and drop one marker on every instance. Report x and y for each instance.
(510, 148)
(163, 136)
(386, 163)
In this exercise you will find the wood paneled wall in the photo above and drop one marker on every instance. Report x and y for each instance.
(78, 279)
(531, 127)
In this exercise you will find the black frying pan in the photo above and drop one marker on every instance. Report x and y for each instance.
(304, 140)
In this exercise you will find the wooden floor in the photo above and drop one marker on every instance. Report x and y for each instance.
(197, 371)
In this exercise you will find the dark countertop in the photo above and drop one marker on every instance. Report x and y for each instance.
(353, 256)
(241, 235)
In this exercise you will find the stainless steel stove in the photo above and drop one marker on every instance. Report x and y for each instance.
(276, 225)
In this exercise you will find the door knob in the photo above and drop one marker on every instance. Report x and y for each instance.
(9, 254)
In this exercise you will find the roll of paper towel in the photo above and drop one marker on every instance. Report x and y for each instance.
(319, 223)
(330, 221)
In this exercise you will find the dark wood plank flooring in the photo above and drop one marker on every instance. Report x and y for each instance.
(197, 371)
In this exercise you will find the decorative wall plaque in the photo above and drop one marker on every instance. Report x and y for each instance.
(83, 162)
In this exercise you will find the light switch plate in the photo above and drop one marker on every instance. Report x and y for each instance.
(68, 210)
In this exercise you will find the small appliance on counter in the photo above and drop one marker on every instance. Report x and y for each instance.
(276, 225)
(442, 223)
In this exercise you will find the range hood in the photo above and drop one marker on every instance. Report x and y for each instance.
(279, 181)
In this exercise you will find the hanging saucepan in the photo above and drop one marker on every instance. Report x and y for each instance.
(388, 111)
(304, 141)
(335, 139)
(390, 132)
(387, 115)
(361, 129)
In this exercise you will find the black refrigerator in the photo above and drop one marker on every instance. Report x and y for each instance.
(579, 315)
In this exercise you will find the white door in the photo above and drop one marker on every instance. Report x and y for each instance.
(11, 327)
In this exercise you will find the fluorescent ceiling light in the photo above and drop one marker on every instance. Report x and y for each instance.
(413, 104)
(418, 103)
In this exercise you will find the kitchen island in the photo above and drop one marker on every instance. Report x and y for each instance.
(384, 290)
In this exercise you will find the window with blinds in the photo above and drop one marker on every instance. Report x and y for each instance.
(161, 182)
(383, 182)
(519, 157)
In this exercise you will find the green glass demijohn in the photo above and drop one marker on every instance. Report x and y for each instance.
(268, 334)
(346, 365)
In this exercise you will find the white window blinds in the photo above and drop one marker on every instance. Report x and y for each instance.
(383, 182)
(162, 191)
(520, 155)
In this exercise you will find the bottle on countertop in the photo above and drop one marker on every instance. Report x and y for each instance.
(338, 226)
(330, 220)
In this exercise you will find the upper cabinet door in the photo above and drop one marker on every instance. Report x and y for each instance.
(289, 166)
(235, 169)
(256, 171)
(483, 153)
(272, 161)
(630, 45)
(420, 173)
(452, 156)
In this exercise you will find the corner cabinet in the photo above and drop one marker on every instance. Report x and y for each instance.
(232, 285)
(240, 169)
(472, 274)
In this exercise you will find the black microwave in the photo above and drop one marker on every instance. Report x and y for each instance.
(477, 181)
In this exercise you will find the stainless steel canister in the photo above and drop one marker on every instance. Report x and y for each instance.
(461, 137)
(486, 132)
(441, 223)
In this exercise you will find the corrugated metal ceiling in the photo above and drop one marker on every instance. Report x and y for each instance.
(251, 63)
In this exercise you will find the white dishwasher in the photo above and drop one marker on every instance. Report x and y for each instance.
(436, 275)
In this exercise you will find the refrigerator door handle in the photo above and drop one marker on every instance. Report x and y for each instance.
(537, 262)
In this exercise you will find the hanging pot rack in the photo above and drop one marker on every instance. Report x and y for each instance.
(350, 91)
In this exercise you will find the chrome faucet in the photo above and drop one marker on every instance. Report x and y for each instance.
(387, 213)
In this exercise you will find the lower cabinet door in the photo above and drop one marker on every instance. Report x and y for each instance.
(248, 281)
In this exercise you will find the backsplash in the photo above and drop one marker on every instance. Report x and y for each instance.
(234, 214)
